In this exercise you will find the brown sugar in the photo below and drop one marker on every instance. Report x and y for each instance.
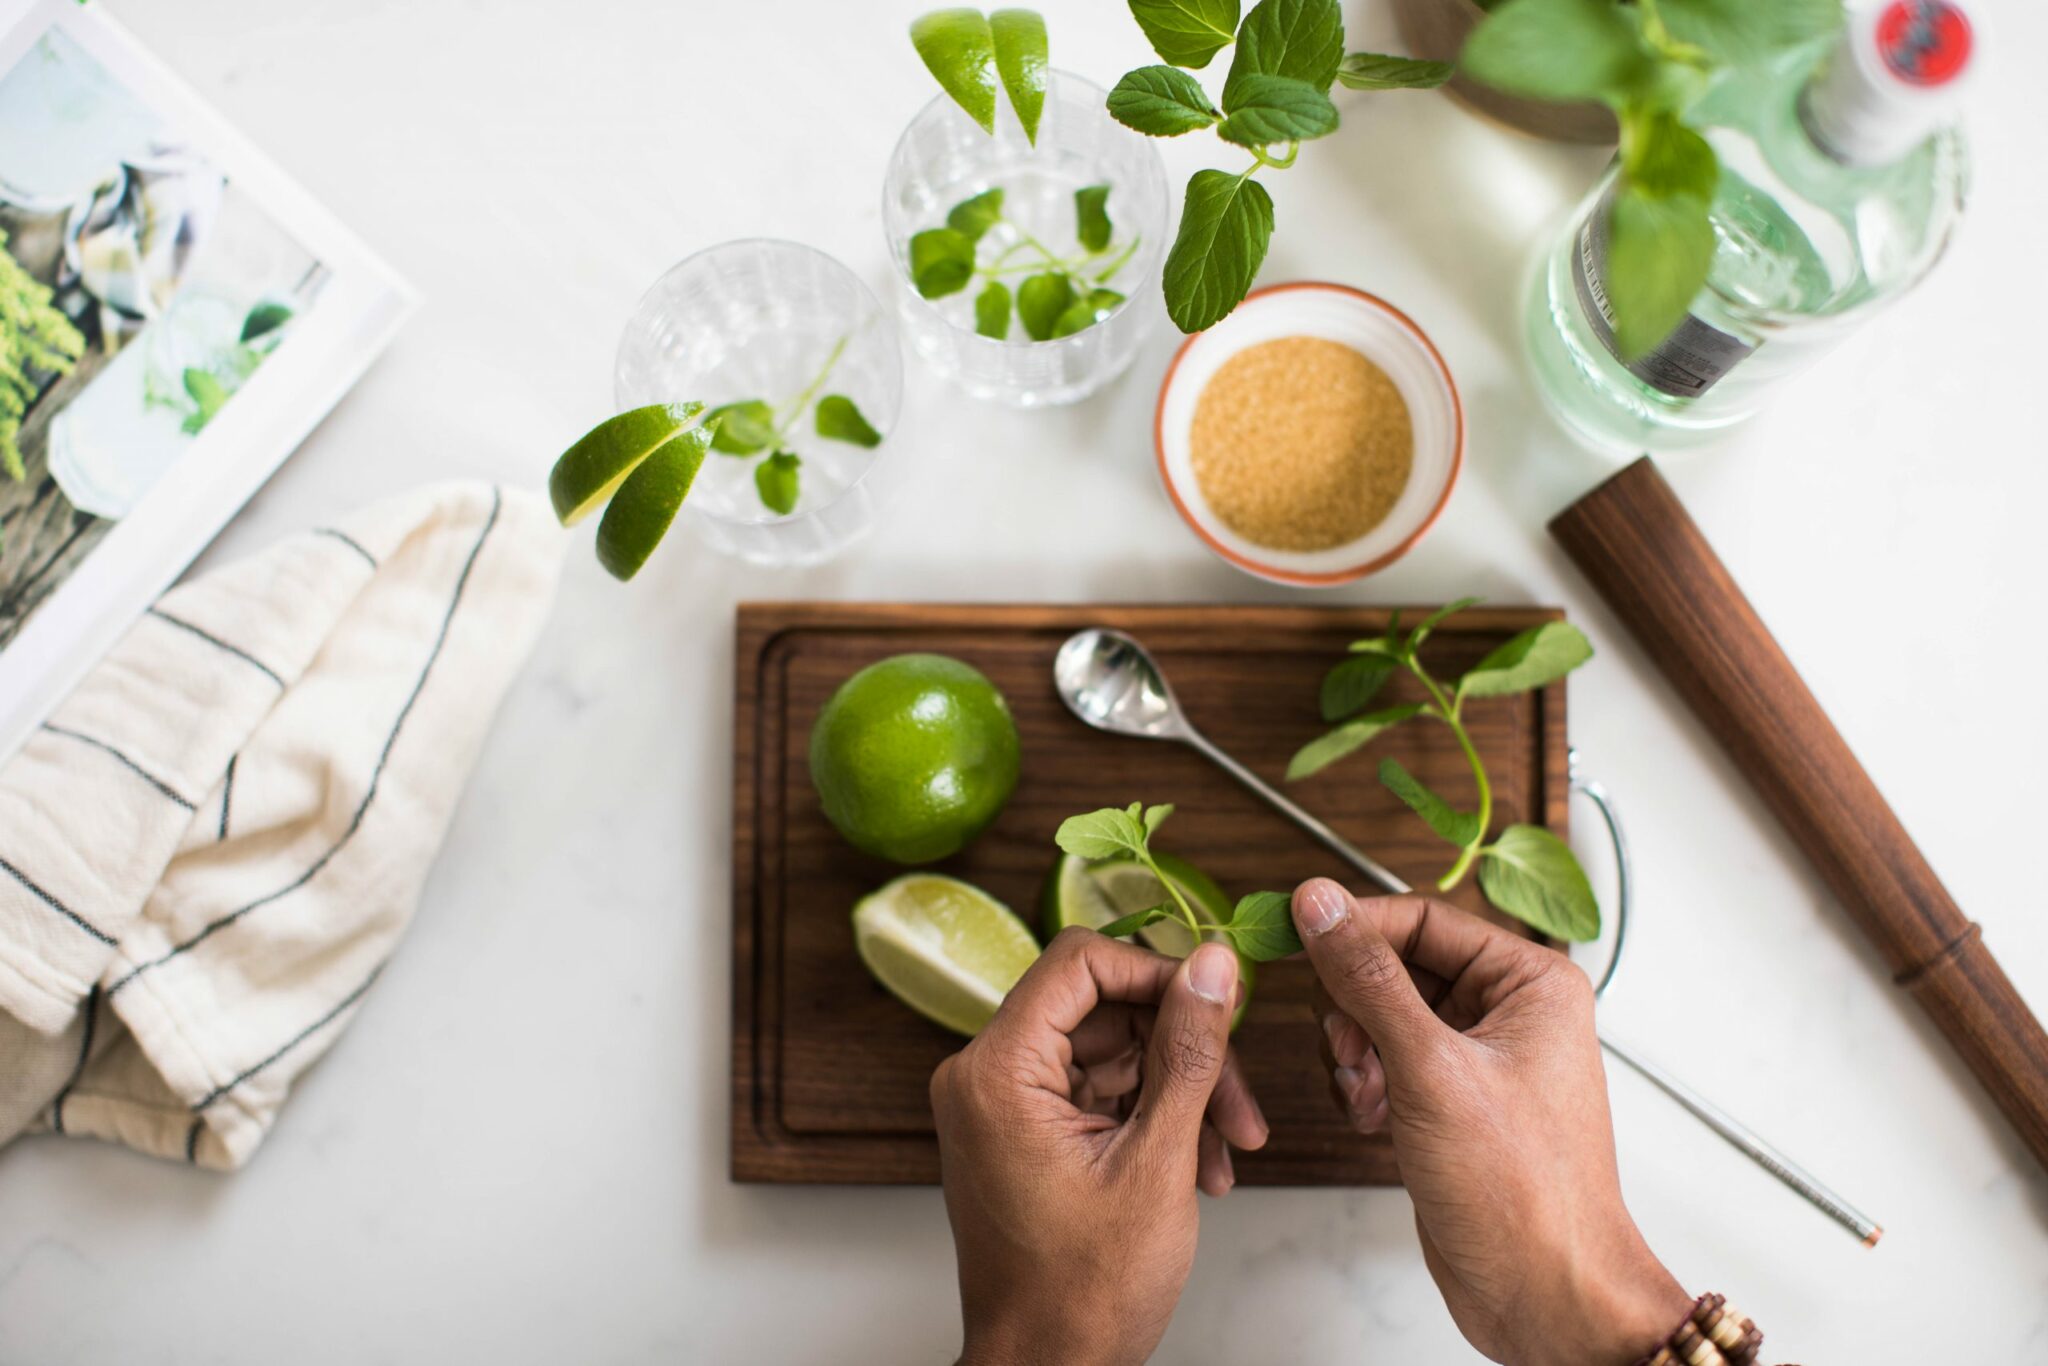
(1301, 443)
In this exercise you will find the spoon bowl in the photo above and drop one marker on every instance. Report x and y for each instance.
(1111, 682)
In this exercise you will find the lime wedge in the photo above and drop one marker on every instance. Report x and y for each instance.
(1081, 893)
(646, 502)
(948, 950)
(592, 470)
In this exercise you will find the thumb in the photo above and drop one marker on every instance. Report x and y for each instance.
(1361, 970)
(1190, 1040)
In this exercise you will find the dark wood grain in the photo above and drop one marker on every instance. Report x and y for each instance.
(830, 1072)
(1649, 560)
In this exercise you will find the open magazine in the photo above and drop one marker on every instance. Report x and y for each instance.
(175, 317)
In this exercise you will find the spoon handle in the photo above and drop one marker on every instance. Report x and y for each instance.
(1745, 1139)
(1335, 842)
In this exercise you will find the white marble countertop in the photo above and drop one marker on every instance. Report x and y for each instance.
(518, 1154)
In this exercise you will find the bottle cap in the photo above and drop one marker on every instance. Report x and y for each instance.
(1892, 79)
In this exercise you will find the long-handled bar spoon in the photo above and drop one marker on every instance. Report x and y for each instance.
(1110, 681)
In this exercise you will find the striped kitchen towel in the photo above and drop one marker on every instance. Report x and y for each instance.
(210, 850)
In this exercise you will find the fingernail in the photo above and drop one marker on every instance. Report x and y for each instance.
(1229, 1168)
(1212, 973)
(1347, 1080)
(1333, 1030)
(1320, 906)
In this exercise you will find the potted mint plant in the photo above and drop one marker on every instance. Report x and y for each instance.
(1286, 55)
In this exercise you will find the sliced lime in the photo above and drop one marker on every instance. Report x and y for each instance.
(1081, 893)
(958, 47)
(946, 949)
(592, 470)
(647, 500)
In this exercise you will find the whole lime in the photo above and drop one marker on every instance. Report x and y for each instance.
(914, 756)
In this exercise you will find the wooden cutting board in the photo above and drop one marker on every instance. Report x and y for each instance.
(829, 1072)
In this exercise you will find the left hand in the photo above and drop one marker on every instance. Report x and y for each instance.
(1072, 1138)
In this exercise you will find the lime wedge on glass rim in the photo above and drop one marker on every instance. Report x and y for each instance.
(643, 462)
(946, 949)
(1093, 894)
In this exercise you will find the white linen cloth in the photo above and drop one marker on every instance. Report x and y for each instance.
(210, 850)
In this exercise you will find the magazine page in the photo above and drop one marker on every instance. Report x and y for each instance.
(175, 316)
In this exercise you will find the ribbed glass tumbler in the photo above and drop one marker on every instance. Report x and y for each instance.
(944, 158)
(786, 325)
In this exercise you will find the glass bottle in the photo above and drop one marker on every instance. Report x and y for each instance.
(1842, 178)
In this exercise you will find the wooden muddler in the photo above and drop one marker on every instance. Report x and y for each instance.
(1636, 543)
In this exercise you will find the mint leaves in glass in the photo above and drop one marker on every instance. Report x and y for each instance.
(1287, 54)
(1024, 226)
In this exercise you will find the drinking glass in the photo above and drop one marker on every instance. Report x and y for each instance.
(944, 157)
(764, 319)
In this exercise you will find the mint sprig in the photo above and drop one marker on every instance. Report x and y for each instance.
(749, 426)
(1261, 927)
(1526, 871)
(1275, 97)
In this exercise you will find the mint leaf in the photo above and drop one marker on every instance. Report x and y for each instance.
(992, 310)
(1375, 71)
(1155, 816)
(775, 480)
(1327, 749)
(1107, 833)
(1091, 216)
(960, 51)
(1458, 827)
(1041, 300)
(208, 394)
(1161, 101)
(1353, 683)
(1659, 249)
(1739, 32)
(973, 217)
(265, 318)
(1187, 32)
(1301, 39)
(1434, 620)
(1664, 157)
(1019, 36)
(743, 428)
(839, 419)
(1262, 927)
(941, 261)
(1560, 49)
(1538, 656)
(1226, 223)
(1086, 311)
(1531, 874)
(1276, 109)
(1138, 920)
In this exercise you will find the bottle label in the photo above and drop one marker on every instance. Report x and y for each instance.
(1685, 364)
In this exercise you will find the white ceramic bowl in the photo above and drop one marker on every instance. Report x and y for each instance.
(1380, 332)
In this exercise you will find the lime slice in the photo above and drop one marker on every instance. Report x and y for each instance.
(948, 950)
(646, 502)
(592, 470)
(1081, 893)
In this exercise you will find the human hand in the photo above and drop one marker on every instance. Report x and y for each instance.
(1475, 1049)
(1072, 1139)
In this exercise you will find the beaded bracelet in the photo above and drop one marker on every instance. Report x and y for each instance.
(1713, 1334)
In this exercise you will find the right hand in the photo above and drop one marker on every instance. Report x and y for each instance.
(1475, 1049)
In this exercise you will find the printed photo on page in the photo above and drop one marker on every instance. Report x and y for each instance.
(156, 279)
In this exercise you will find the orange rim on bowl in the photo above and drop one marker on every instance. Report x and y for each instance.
(1383, 334)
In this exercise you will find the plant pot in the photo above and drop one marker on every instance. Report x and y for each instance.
(1436, 30)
